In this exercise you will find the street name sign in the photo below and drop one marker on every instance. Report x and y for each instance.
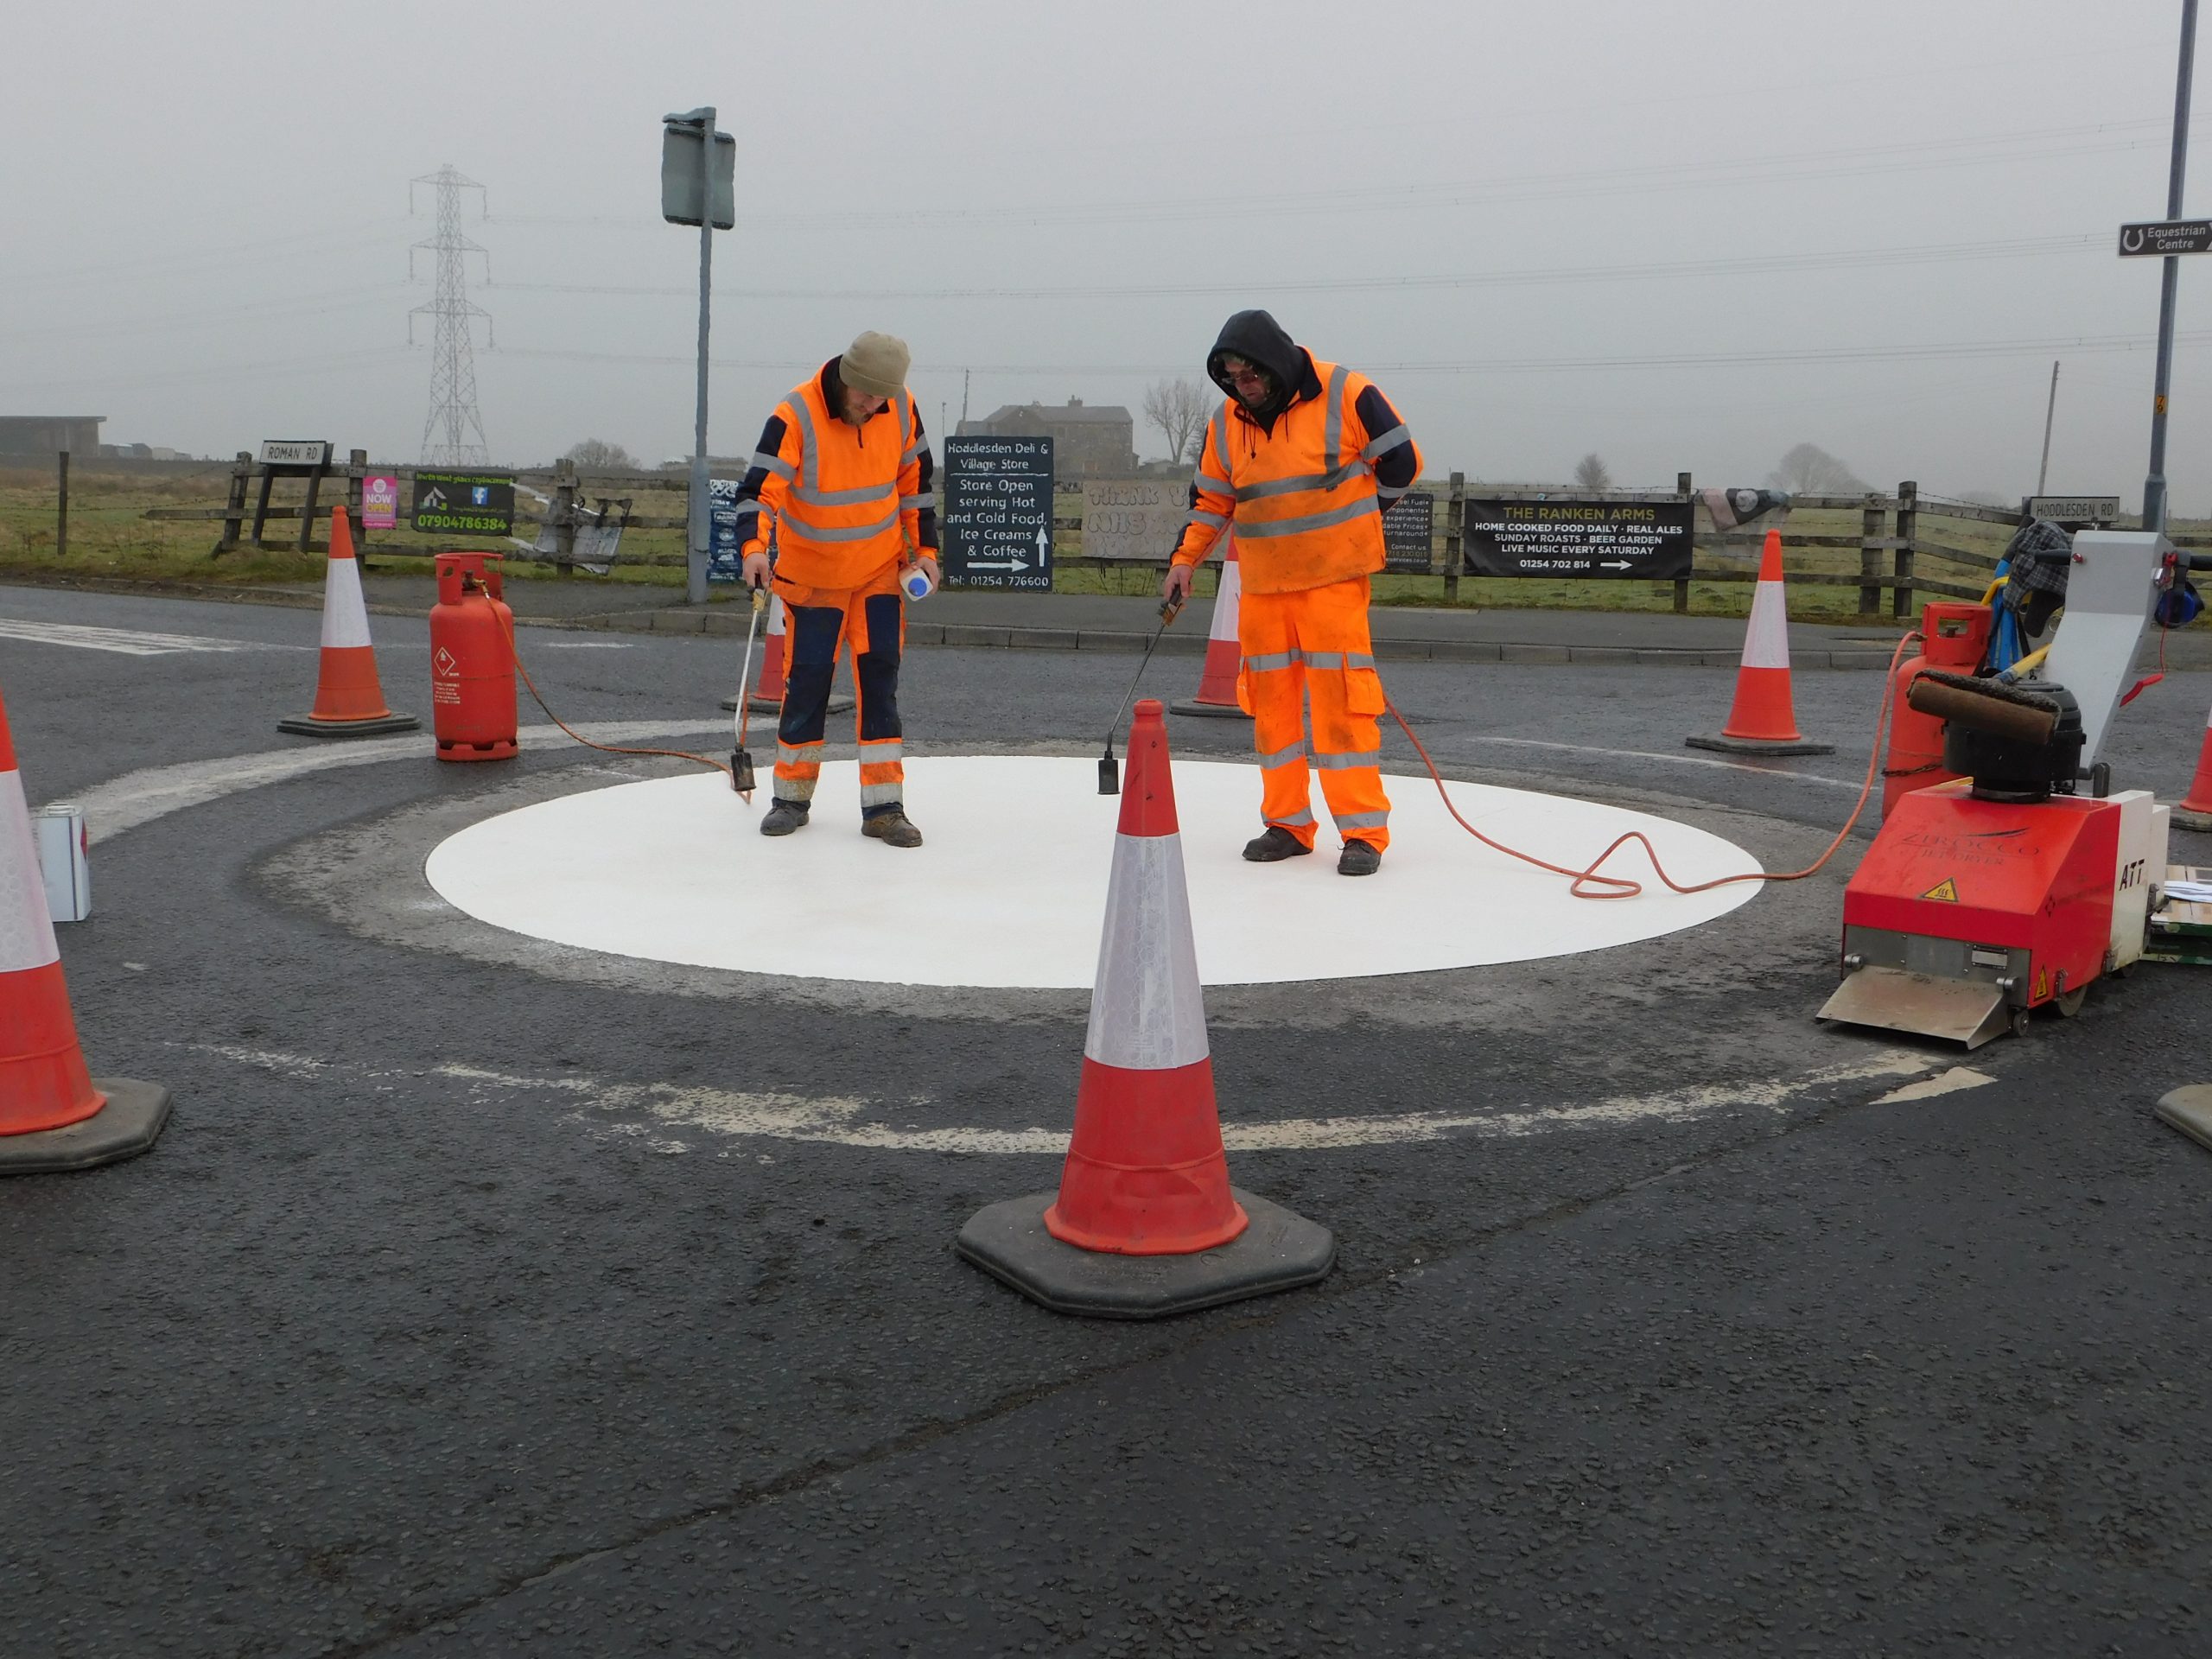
(2161, 238)
(1642, 541)
(465, 504)
(294, 452)
(998, 512)
(2074, 509)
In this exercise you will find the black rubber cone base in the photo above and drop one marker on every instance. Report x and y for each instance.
(1214, 710)
(125, 1126)
(2189, 1109)
(308, 725)
(1759, 745)
(1278, 1251)
(839, 704)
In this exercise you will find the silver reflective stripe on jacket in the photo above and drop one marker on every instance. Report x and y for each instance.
(1342, 515)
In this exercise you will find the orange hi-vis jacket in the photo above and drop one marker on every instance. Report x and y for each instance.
(1302, 498)
(847, 502)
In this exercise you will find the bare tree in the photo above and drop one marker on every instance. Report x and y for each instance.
(1810, 470)
(599, 456)
(1178, 409)
(1591, 473)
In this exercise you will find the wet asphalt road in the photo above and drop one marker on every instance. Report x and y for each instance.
(449, 1315)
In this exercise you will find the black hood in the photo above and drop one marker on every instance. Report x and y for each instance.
(1258, 337)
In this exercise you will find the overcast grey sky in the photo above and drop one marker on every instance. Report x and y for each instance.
(1685, 236)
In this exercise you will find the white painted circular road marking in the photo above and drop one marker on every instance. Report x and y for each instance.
(1010, 888)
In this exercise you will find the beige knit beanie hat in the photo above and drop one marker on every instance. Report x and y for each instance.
(876, 364)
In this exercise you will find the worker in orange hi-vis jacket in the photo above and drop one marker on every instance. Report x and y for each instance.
(845, 477)
(1301, 460)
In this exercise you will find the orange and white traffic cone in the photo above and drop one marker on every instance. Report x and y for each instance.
(348, 700)
(1217, 679)
(52, 1114)
(1762, 721)
(768, 690)
(2194, 809)
(1145, 1222)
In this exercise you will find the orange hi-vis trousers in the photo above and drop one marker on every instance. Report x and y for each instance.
(1314, 645)
(817, 623)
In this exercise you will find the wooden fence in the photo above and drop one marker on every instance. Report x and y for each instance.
(1907, 545)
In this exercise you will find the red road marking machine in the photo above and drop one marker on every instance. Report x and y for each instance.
(1991, 896)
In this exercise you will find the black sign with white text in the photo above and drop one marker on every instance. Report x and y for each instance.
(1410, 532)
(1640, 540)
(465, 504)
(997, 522)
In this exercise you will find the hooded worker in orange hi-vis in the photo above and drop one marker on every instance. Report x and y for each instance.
(845, 477)
(1300, 462)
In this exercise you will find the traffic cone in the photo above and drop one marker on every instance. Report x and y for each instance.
(52, 1114)
(2194, 811)
(1217, 679)
(1145, 1222)
(1762, 721)
(768, 690)
(348, 701)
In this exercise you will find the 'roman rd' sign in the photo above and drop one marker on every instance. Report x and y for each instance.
(1642, 540)
(465, 504)
(998, 512)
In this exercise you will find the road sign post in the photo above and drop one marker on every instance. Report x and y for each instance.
(698, 171)
(998, 512)
(2168, 239)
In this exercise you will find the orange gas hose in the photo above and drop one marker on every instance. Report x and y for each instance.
(604, 748)
(1622, 886)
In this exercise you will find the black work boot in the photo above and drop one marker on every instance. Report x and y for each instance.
(893, 828)
(1275, 844)
(1359, 858)
(784, 817)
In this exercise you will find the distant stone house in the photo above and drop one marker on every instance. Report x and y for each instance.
(1089, 441)
(49, 435)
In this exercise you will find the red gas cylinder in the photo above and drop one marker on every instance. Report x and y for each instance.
(472, 661)
(1953, 637)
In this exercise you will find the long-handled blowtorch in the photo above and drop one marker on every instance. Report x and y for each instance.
(1110, 770)
(740, 759)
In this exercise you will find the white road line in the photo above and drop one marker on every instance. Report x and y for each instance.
(139, 798)
(1943, 1082)
(129, 642)
(836, 1120)
(1672, 761)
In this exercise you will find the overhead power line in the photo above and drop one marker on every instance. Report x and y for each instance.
(1546, 277)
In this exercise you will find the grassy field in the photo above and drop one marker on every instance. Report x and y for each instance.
(110, 537)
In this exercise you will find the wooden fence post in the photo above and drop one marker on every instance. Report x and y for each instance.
(1869, 555)
(1455, 537)
(1682, 586)
(1901, 596)
(61, 514)
(234, 508)
(564, 517)
(356, 463)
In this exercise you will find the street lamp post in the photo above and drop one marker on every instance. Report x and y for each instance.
(2154, 485)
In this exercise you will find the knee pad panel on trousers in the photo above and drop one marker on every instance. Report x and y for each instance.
(806, 701)
(877, 669)
(814, 631)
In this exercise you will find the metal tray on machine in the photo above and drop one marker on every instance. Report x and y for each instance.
(1893, 999)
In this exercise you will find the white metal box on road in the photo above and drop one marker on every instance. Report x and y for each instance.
(60, 831)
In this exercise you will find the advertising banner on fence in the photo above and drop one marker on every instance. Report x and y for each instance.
(1134, 517)
(465, 504)
(1409, 532)
(381, 501)
(1639, 540)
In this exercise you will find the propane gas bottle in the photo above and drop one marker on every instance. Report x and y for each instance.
(1953, 637)
(472, 661)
